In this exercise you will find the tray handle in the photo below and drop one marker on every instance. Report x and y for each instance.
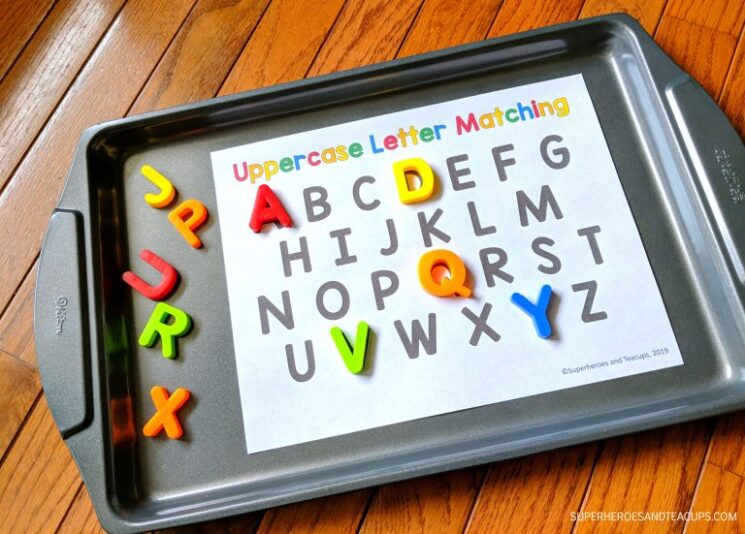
(717, 156)
(60, 322)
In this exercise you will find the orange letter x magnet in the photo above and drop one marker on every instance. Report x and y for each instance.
(165, 417)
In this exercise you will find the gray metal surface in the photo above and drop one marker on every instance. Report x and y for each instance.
(679, 161)
(60, 324)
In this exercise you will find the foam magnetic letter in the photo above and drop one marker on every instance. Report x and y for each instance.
(165, 417)
(168, 281)
(187, 217)
(268, 209)
(538, 311)
(419, 167)
(354, 357)
(443, 286)
(167, 191)
(159, 326)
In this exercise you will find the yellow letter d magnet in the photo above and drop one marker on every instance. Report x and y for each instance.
(419, 167)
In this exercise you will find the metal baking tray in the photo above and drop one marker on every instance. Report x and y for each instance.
(682, 168)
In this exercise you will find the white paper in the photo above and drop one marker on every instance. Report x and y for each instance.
(635, 337)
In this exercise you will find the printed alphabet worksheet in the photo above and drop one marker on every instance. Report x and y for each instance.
(525, 194)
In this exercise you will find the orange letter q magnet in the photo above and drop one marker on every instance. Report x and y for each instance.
(446, 286)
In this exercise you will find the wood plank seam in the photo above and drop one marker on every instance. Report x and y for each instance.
(16, 358)
(344, 6)
(20, 428)
(659, 19)
(725, 468)
(408, 30)
(17, 289)
(472, 511)
(493, 20)
(245, 44)
(368, 504)
(69, 507)
(588, 485)
(156, 63)
(700, 477)
(728, 76)
(30, 38)
(43, 125)
(694, 24)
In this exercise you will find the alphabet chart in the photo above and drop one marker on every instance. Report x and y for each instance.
(430, 260)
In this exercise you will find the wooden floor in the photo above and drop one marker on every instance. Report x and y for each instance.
(66, 64)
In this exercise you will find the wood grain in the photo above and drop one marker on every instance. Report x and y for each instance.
(336, 514)
(725, 465)
(80, 516)
(647, 12)
(19, 387)
(228, 525)
(17, 323)
(126, 55)
(726, 450)
(267, 60)
(443, 23)
(540, 489)
(187, 73)
(18, 21)
(365, 32)
(652, 471)
(701, 37)
(719, 491)
(733, 94)
(438, 504)
(516, 16)
(44, 71)
(38, 479)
